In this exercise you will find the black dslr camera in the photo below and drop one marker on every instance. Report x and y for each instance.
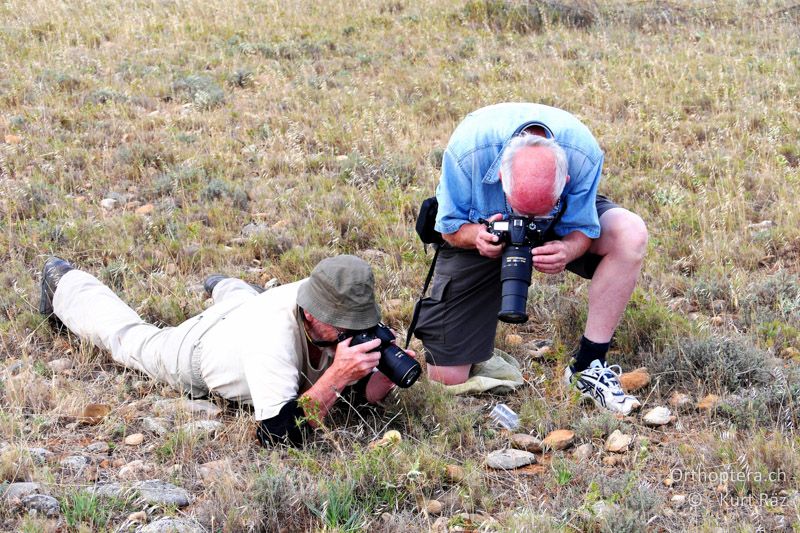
(395, 364)
(520, 234)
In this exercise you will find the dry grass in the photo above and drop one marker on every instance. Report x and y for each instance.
(269, 135)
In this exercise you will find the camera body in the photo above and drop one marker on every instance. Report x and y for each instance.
(395, 364)
(520, 234)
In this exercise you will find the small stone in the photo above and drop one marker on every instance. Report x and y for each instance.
(42, 504)
(668, 481)
(202, 428)
(618, 442)
(678, 500)
(454, 473)
(658, 416)
(679, 400)
(634, 380)
(40, 455)
(440, 525)
(108, 203)
(94, 413)
(172, 525)
(433, 507)
(560, 439)
(513, 340)
(12, 139)
(136, 469)
(540, 353)
(145, 210)
(716, 321)
(758, 226)
(523, 441)
(134, 440)
(162, 493)
(193, 407)
(509, 459)
(393, 436)
(612, 460)
(212, 469)
(109, 490)
(155, 425)
(583, 452)
(60, 365)
(74, 463)
(97, 447)
(17, 491)
(790, 352)
(708, 403)
(138, 516)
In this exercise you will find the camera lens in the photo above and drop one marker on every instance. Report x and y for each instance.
(515, 274)
(398, 366)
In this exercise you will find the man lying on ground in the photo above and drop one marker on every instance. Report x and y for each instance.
(277, 350)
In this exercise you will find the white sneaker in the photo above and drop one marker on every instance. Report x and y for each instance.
(600, 383)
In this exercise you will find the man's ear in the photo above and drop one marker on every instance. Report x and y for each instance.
(500, 175)
(567, 180)
(308, 316)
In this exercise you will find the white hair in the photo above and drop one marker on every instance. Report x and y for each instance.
(523, 141)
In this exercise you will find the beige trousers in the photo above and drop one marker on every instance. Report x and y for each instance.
(94, 313)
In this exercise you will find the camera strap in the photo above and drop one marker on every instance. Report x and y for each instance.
(418, 305)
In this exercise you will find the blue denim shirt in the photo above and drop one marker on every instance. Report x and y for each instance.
(470, 188)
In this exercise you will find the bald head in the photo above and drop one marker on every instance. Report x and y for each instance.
(533, 172)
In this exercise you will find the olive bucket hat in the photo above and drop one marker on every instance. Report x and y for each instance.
(341, 292)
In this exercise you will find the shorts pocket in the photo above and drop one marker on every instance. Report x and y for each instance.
(433, 310)
(438, 286)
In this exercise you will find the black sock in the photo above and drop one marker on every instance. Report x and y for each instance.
(588, 352)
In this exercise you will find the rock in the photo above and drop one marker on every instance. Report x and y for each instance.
(634, 380)
(94, 413)
(136, 469)
(583, 452)
(160, 492)
(60, 365)
(74, 463)
(17, 491)
(790, 352)
(679, 400)
(509, 459)
(540, 353)
(193, 407)
(212, 469)
(513, 340)
(389, 438)
(433, 507)
(716, 321)
(523, 441)
(618, 442)
(668, 481)
(155, 425)
(708, 403)
(658, 416)
(454, 473)
(202, 428)
(440, 525)
(560, 439)
(40, 455)
(42, 504)
(109, 203)
(145, 210)
(678, 500)
(612, 460)
(138, 516)
(109, 490)
(172, 525)
(256, 230)
(97, 447)
(759, 226)
(134, 440)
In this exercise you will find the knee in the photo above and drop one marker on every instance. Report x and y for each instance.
(449, 375)
(630, 236)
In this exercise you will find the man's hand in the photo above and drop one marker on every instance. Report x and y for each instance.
(486, 242)
(351, 363)
(551, 258)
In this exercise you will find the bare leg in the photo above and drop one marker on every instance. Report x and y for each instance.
(449, 375)
(622, 243)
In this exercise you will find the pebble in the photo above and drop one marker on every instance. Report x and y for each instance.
(145, 210)
(612, 460)
(202, 428)
(618, 442)
(155, 425)
(136, 469)
(454, 473)
(172, 525)
(433, 507)
(42, 503)
(109, 490)
(560, 439)
(61, 365)
(678, 500)
(635, 380)
(583, 452)
(134, 440)
(108, 203)
(194, 407)
(513, 340)
(74, 463)
(658, 416)
(679, 400)
(160, 492)
(212, 469)
(97, 447)
(17, 491)
(708, 403)
(40, 455)
(94, 413)
(509, 459)
(138, 516)
(523, 441)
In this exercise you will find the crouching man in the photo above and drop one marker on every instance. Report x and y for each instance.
(276, 350)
